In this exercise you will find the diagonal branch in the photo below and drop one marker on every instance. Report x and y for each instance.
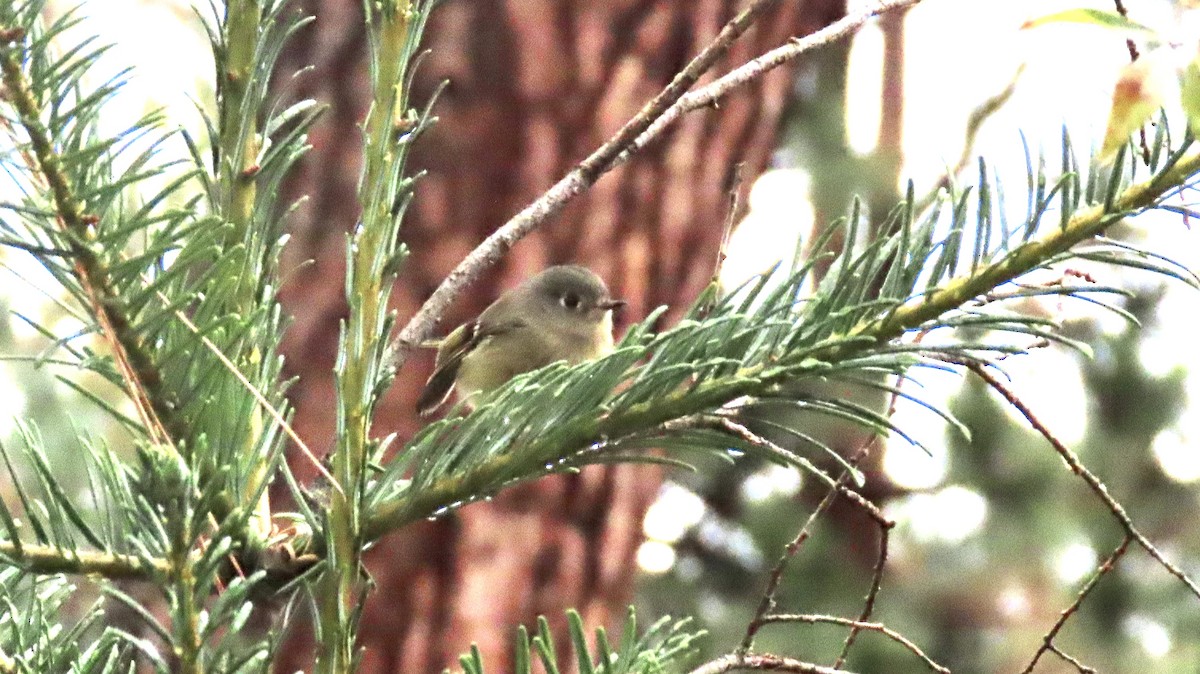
(767, 603)
(885, 528)
(1093, 482)
(860, 625)
(711, 94)
(1048, 640)
(140, 372)
(644, 127)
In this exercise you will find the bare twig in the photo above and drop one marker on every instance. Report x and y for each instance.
(662, 111)
(735, 429)
(1048, 640)
(767, 603)
(1083, 669)
(1133, 50)
(1079, 469)
(708, 298)
(859, 625)
(710, 94)
(836, 487)
(885, 529)
(742, 662)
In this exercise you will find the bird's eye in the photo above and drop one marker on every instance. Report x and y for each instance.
(570, 301)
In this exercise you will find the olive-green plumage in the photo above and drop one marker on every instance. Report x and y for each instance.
(562, 313)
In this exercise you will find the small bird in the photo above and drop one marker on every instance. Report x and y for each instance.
(562, 313)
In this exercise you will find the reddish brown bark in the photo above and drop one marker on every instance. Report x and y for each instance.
(535, 85)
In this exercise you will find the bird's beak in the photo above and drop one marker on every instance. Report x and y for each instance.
(610, 304)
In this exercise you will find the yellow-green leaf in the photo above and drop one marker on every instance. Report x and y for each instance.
(1189, 94)
(1094, 17)
(1135, 97)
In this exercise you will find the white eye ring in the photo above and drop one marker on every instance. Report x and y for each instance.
(570, 301)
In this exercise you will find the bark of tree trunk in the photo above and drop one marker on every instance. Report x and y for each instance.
(534, 86)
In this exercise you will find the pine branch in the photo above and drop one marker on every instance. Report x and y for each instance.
(143, 379)
(116, 537)
(364, 368)
(44, 628)
(239, 139)
(664, 643)
(464, 460)
(197, 283)
(46, 559)
(1082, 225)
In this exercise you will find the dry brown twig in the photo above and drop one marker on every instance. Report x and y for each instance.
(767, 603)
(1079, 469)
(763, 616)
(735, 662)
(1083, 669)
(654, 118)
(1132, 534)
(708, 298)
(1048, 640)
(885, 529)
(873, 627)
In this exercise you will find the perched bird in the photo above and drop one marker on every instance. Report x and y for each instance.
(562, 313)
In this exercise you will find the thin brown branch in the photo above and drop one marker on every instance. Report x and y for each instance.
(648, 124)
(712, 93)
(1048, 640)
(1133, 50)
(767, 603)
(708, 298)
(838, 486)
(859, 625)
(737, 430)
(752, 662)
(1083, 669)
(885, 529)
(1079, 469)
(711, 293)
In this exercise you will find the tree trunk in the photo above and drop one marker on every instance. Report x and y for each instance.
(535, 85)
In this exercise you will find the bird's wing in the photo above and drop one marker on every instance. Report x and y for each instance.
(451, 352)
